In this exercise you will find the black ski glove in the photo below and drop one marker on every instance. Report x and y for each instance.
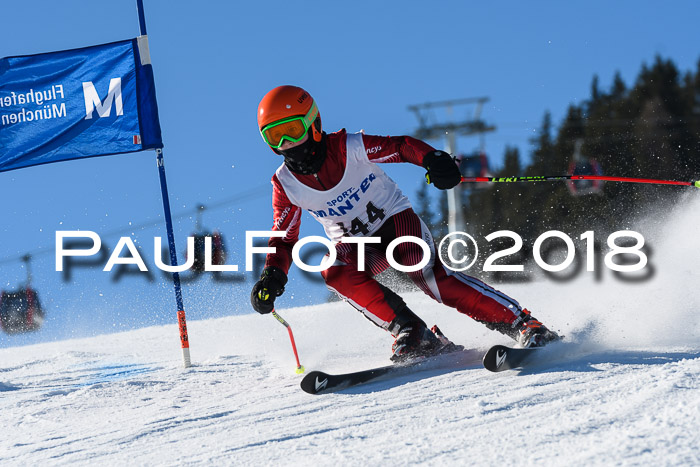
(442, 170)
(267, 289)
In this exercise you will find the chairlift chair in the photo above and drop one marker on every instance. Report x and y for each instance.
(474, 165)
(20, 310)
(583, 165)
(217, 249)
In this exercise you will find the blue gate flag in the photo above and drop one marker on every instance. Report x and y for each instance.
(79, 103)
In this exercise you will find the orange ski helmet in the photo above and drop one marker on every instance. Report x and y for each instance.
(288, 112)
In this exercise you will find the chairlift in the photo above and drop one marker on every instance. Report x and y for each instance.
(474, 165)
(582, 165)
(218, 250)
(20, 310)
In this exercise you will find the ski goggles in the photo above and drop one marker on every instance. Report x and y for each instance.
(292, 129)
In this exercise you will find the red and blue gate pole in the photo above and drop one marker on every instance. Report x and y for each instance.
(181, 321)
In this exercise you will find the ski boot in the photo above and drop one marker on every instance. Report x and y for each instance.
(447, 345)
(533, 333)
(414, 340)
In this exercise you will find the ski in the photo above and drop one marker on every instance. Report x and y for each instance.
(319, 382)
(501, 357)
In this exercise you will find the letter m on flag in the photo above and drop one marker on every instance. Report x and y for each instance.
(104, 108)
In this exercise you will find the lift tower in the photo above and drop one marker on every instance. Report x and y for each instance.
(429, 128)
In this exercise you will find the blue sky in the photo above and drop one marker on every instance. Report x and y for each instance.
(363, 62)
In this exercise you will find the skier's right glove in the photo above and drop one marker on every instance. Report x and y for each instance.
(267, 289)
(442, 170)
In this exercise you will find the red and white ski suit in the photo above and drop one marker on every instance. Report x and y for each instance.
(465, 293)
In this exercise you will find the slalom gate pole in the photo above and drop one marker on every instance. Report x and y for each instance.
(181, 321)
(300, 369)
(553, 178)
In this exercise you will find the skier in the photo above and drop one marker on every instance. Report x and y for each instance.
(336, 177)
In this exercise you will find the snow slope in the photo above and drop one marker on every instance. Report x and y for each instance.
(625, 390)
(124, 399)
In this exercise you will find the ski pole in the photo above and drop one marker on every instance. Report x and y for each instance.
(300, 369)
(552, 178)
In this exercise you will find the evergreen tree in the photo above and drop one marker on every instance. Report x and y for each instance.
(649, 130)
(511, 164)
(619, 89)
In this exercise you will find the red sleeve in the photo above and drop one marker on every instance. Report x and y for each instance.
(287, 216)
(388, 149)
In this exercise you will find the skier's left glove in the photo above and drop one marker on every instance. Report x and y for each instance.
(267, 289)
(442, 170)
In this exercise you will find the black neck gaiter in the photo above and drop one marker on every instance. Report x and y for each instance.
(307, 158)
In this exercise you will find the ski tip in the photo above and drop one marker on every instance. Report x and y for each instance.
(501, 357)
(495, 357)
(315, 382)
